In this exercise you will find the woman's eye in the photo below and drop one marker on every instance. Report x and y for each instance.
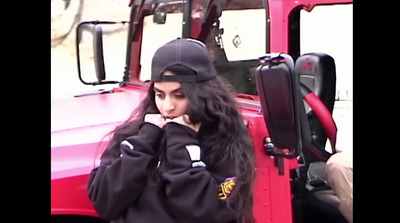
(180, 96)
(159, 95)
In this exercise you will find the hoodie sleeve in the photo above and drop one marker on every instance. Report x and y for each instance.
(114, 185)
(193, 193)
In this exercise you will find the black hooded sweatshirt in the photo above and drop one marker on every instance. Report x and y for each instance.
(120, 190)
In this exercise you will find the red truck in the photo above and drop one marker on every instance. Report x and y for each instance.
(254, 43)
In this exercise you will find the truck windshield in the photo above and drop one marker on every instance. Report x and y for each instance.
(235, 41)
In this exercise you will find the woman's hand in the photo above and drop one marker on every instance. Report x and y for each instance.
(184, 120)
(155, 119)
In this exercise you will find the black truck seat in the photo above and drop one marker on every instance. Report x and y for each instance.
(317, 75)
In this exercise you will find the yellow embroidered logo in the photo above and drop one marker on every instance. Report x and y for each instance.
(226, 187)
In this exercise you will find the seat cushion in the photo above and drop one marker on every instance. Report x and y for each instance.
(328, 198)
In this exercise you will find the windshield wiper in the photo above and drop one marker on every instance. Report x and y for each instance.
(94, 92)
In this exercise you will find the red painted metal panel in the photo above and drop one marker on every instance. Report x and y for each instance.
(272, 195)
(68, 196)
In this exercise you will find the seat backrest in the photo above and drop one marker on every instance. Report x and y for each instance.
(317, 72)
(282, 104)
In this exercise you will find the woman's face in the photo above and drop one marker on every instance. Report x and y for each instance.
(169, 98)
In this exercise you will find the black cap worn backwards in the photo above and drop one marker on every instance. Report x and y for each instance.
(183, 51)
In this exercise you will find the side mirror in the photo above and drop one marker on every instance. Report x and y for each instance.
(282, 106)
(98, 53)
(95, 28)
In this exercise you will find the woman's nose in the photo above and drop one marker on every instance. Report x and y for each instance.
(168, 105)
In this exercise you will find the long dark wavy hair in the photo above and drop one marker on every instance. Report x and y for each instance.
(223, 134)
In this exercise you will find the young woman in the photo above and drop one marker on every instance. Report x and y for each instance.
(184, 155)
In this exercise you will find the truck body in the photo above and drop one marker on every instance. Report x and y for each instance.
(238, 33)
